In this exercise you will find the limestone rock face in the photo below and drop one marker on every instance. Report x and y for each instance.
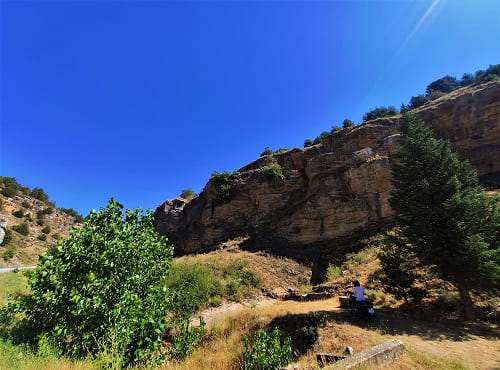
(335, 193)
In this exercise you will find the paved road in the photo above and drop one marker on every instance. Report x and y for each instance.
(7, 269)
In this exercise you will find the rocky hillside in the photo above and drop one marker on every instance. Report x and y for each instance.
(28, 226)
(333, 196)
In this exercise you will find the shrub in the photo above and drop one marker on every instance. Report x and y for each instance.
(23, 228)
(435, 94)
(267, 151)
(73, 213)
(417, 101)
(43, 212)
(280, 150)
(187, 193)
(9, 192)
(46, 230)
(40, 222)
(380, 112)
(27, 217)
(266, 351)
(347, 123)
(333, 272)
(445, 84)
(7, 237)
(9, 253)
(56, 236)
(26, 204)
(39, 194)
(104, 286)
(194, 284)
(272, 173)
(19, 213)
(42, 237)
(224, 184)
(335, 129)
(307, 143)
(317, 140)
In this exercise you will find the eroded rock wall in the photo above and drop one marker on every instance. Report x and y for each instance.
(333, 194)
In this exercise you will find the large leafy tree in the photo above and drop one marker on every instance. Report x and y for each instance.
(104, 287)
(444, 218)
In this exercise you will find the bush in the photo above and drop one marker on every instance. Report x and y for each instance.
(307, 143)
(347, 123)
(70, 211)
(43, 212)
(9, 253)
(28, 218)
(198, 285)
(56, 236)
(46, 230)
(194, 285)
(187, 193)
(23, 228)
(317, 140)
(333, 272)
(380, 112)
(224, 184)
(272, 173)
(40, 222)
(7, 237)
(445, 84)
(335, 129)
(26, 204)
(19, 213)
(39, 194)
(266, 351)
(42, 237)
(280, 150)
(267, 151)
(104, 287)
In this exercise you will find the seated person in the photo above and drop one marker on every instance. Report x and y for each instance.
(358, 293)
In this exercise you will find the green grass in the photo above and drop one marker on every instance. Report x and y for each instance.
(13, 357)
(12, 283)
(429, 361)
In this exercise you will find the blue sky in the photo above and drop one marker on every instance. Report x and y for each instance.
(139, 100)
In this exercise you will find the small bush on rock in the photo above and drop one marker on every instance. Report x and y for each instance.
(19, 213)
(23, 228)
(272, 173)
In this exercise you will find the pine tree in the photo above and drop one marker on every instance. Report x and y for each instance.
(443, 214)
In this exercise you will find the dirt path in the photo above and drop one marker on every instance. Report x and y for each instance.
(214, 315)
(476, 345)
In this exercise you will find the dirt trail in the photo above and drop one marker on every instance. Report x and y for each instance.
(214, 315)
(477, 346)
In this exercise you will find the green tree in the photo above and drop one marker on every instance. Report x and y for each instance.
(442, 213)
(39, 194)
(380, 112)
(104, 287)
(445, 84)
(267, 151)
(307, 143)
(187, 193)
(347, 123)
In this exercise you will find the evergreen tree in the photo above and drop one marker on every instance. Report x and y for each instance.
(442, 213)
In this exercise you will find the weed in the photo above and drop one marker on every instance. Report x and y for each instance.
(266, 351)
(333, 272)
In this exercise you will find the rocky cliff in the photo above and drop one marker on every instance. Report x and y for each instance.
(335, 194)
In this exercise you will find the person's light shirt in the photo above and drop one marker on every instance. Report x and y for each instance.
(359, 293)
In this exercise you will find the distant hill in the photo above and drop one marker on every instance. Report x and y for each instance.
(30, 222)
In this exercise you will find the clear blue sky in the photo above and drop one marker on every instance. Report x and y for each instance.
(139, 100)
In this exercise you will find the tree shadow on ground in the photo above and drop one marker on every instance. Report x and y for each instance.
(393, 322)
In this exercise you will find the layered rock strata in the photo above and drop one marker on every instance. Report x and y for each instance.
(333, 194)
